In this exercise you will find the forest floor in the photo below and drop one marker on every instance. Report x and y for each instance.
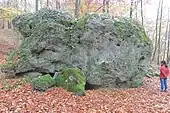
(8, 42)
(17, 96)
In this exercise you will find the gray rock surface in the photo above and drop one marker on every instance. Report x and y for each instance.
(111, 52)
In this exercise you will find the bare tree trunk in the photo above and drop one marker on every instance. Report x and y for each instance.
(58, 4)
(25, 5)
(16, 6)
(135, 3)
(41, 4)
(142, 11)
(9, 25)
(8, 5)
(131, 8)
(104, 6)
(159, 38)
(166, 39)
(167, 58)
(47, 3)
(156, 32)
(3, 24)
(168, 35)
(107, 5)
(36, 5)
(77, 8)
(136, 8)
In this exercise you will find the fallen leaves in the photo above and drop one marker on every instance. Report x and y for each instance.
(2, 58)
(57, 100)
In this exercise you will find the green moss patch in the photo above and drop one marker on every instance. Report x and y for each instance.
(71, 79)
(128, 28)
(42, 83)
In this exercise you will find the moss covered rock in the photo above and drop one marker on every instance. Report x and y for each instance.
(71, 79)
(42, 83)
(112, 52)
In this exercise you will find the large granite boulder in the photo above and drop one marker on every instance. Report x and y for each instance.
(111, 52)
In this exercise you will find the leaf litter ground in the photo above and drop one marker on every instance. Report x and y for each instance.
(145, 99)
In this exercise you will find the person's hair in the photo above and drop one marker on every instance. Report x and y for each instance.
(164, 63)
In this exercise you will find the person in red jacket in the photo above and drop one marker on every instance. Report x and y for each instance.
(164, 73)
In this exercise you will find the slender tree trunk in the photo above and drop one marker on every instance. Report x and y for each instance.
(156, 32)
(168, 35)
(159, 38)
(136, 8)
(131, 8)
(107, 5)
(3, 24)
(60, 4)
(166, 39)
(17, 5)
(9, 24)
(104, 6)
(142, 11)
(47, 3)
(57, 4)
(77, 8)
(8, 5)
(64, 4)
(36, 5)
(25, 5)
(41, 4)
(167, 57)
(134, 4)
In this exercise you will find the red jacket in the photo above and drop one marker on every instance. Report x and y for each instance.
(164, 72)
